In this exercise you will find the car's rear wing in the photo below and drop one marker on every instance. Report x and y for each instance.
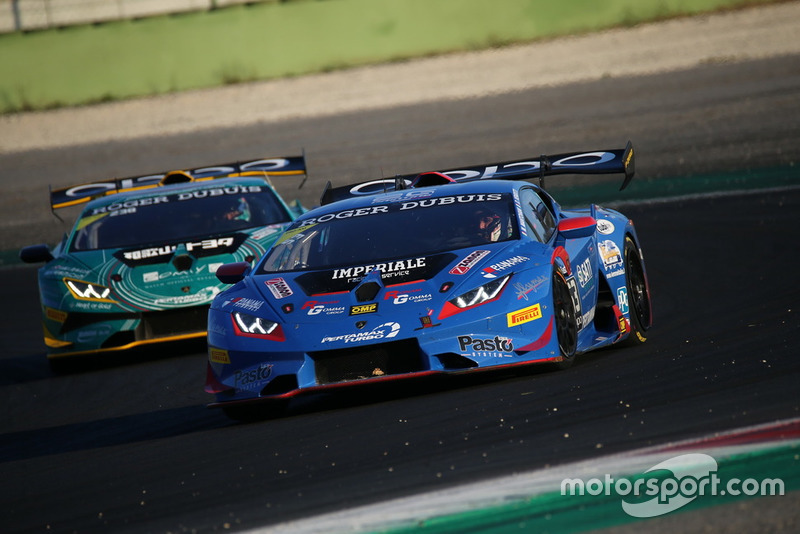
(596, 162)
(76, 194)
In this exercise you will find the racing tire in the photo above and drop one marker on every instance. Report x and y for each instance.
(638, 295)
(566, 320)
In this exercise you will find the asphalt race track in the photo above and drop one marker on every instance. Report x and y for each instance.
(128, 445)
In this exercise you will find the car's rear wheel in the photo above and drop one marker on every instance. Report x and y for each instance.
(638, 296)
(566, 320)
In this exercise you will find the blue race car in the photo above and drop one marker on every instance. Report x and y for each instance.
(138, 265)
(441, 272)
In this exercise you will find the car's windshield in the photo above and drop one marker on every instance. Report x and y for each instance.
(397, 230)
(174, 217)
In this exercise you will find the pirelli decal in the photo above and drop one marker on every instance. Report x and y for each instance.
(525, 315)
(218, 355)
(56, 315)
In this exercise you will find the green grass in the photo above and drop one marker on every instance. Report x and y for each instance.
(89, 64)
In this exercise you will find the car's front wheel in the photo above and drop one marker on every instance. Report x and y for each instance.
(566, 320)
(638, 296)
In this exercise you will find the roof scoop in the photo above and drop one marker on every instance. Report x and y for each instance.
(369, 287)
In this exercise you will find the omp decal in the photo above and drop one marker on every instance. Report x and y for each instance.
(218, 355)
(525, 315)
(469, 262)
(605, 226)
(384, 331)
(492, 270)
(360, 309)
(279, 288)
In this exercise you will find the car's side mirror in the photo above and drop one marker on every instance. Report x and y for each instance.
(36, 254)
(230, 273)
(577, 227)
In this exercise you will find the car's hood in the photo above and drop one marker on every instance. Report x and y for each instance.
(164, 276)
(416, 285)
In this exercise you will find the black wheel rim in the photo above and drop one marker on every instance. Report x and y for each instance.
(637, 290)
(566, 323)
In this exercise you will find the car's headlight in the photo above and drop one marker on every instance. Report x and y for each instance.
(480, 295)
(87, 290)
(248, 325)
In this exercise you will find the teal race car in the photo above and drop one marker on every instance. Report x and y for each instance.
(139, 265)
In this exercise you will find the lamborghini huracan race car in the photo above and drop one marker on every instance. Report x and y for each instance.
(138, 265)
(449, 271)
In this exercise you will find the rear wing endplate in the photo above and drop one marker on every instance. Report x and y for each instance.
(617, 161)
(77, 194)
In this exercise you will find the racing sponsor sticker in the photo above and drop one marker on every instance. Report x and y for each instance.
(383, 331)
(493, 270)
(605, 227)
(218, 355)
(609, 251)
(316, 307)
(469, 262)
(252, 379)
(479, 344)
(622, 298)
(525, 288)
(584, 272)
(525, 315)
(409, 295)
(247, 304)
(56, 315)
(360, 309)
(388, 269)
(279, 288)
